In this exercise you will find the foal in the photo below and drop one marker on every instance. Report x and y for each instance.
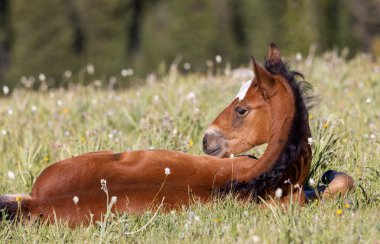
(269, 108)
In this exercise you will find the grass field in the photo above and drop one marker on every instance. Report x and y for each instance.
(171, 112)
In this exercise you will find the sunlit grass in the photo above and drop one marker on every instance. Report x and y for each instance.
(172, 112)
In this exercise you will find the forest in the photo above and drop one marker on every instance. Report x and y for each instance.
(140, 37)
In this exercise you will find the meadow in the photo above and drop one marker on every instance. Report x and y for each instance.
(171, 111)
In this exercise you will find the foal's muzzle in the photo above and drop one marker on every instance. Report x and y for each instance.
(214, 143)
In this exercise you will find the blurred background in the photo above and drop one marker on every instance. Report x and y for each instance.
(61, 38)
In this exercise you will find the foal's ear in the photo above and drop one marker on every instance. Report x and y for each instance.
(265, 81)
(274, 54)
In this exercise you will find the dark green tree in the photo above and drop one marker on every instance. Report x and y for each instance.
(104, 27)
(300, 28)
(5, 37)
(43, 39)
(195, 30)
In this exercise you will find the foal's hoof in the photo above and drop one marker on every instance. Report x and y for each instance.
(337, 183)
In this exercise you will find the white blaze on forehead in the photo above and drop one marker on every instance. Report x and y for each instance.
(244, 89)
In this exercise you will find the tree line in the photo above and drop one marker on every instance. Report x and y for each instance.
(57, 35)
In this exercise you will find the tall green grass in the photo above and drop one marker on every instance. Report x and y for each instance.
(171, 112)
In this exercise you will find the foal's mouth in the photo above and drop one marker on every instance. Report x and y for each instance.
(213, 152)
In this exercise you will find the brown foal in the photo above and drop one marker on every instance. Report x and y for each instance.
(268, 109)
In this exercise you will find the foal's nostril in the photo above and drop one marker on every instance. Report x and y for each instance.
(205, 141)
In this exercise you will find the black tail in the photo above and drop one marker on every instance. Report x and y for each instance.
(12, 206)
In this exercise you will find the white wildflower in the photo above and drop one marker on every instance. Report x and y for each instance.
(196, 218)
(310, 141)
(191, 96)
(368, 100)
(287, 181)
(4, 132)
(167, 171)
(156, 99)
(191, 215)
(59, 103)
(175, 132)
(27, 82)
(372, 136)
(256, 239)
(218, 59)
(42, 77)
(187, 66)
(98, 83)
(130, 72)
(10, 111)
(23, 80)
(67, 74)
(90, 69)
(75, 200)
(278, 193)
(66, 133)
(34, 108)
(103, 184)
(5, 90)
(299, 57)
(113, 199)
(126, 72)
(11, 175)
(311, 182)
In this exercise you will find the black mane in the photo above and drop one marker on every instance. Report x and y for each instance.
(278, 176)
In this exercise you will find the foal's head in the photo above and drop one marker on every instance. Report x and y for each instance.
(248, 120)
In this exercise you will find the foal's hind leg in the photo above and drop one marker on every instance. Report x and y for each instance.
(337, 183)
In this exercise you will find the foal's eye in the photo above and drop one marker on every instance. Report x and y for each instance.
(240, 111)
